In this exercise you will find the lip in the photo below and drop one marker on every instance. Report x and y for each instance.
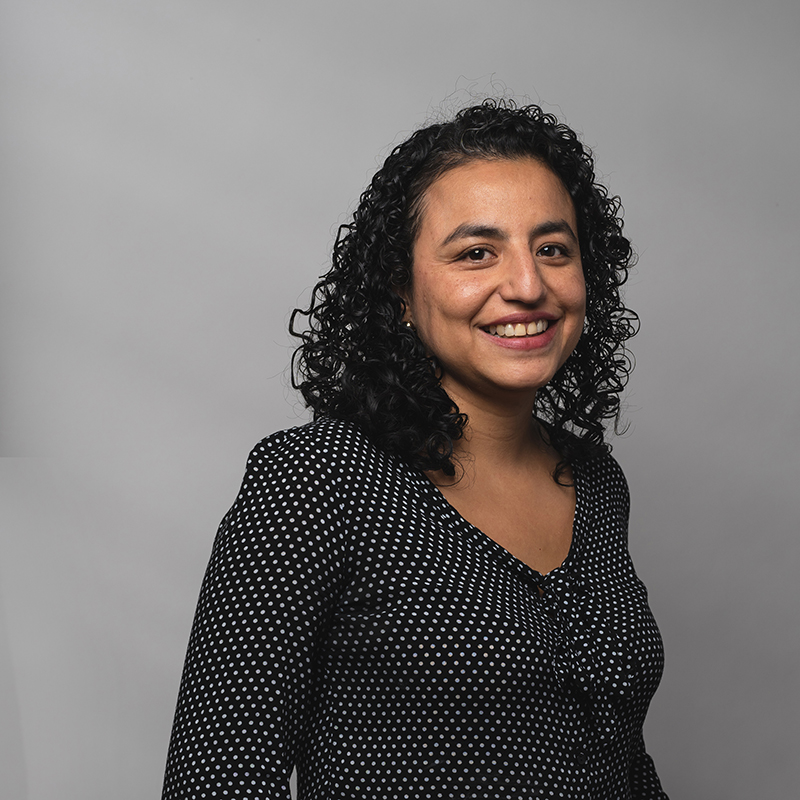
(521, 317)
(524, 343)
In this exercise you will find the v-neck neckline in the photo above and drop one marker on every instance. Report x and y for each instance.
(451, 513)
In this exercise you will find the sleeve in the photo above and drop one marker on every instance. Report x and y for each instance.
(273, 577)
(644, 781)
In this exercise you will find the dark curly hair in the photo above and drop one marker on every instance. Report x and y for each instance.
(357, 361)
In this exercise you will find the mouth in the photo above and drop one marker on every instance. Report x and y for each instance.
(519, 330)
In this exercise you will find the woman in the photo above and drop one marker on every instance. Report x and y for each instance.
(427, 593)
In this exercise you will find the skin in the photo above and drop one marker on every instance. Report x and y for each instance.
(498, 242)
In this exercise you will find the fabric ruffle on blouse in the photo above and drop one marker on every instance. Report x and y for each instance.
(599, 652)
(354, 625)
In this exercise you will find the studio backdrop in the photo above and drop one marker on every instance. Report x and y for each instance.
(173, 174)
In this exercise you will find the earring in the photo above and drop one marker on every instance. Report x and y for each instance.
(410, 325)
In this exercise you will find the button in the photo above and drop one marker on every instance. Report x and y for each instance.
(582, 758)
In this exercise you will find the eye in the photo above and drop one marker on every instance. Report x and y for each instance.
(476, 254)
(553, 251)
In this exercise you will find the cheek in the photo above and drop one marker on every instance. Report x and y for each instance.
(446, 299)
(578, 294)
(575, 299)
(581, 301)
(568, 288)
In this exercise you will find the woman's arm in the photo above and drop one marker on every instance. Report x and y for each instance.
(269, 588)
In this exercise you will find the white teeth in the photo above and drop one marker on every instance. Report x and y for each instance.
(531, 329)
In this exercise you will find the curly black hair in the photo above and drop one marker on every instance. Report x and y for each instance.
(357, 361)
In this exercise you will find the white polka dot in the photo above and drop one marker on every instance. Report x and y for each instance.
(351, 623)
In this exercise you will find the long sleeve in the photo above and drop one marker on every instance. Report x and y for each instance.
(645, 784)
(271, 582)
(352, 624)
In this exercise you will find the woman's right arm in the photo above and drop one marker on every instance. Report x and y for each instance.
(274, 573)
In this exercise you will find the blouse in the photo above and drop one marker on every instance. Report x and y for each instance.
(352, 624)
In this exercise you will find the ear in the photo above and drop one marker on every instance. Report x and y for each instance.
(408, 317)
(405, 295)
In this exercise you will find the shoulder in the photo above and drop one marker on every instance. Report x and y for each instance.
(326, 453)
(319, 442)
(605, 480)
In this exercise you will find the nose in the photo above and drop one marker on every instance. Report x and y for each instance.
(523, 281)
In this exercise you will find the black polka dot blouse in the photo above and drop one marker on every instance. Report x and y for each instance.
(352, 624)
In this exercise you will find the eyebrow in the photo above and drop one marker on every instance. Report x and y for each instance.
(469, 230)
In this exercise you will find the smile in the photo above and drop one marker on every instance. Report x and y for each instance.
(509, 331)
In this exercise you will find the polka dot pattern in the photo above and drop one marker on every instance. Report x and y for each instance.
(353, 624)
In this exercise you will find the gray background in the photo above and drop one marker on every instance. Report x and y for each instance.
(172, 176)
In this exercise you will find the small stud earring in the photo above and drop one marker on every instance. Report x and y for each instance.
(410, 325)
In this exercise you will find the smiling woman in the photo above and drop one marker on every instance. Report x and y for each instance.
(427, 592)
(497, 252)
(498, 297)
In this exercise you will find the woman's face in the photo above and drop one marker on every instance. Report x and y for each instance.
(497, 291)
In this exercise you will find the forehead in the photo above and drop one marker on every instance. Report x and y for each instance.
(502, 192)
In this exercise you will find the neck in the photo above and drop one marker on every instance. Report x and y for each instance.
(504, 438)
